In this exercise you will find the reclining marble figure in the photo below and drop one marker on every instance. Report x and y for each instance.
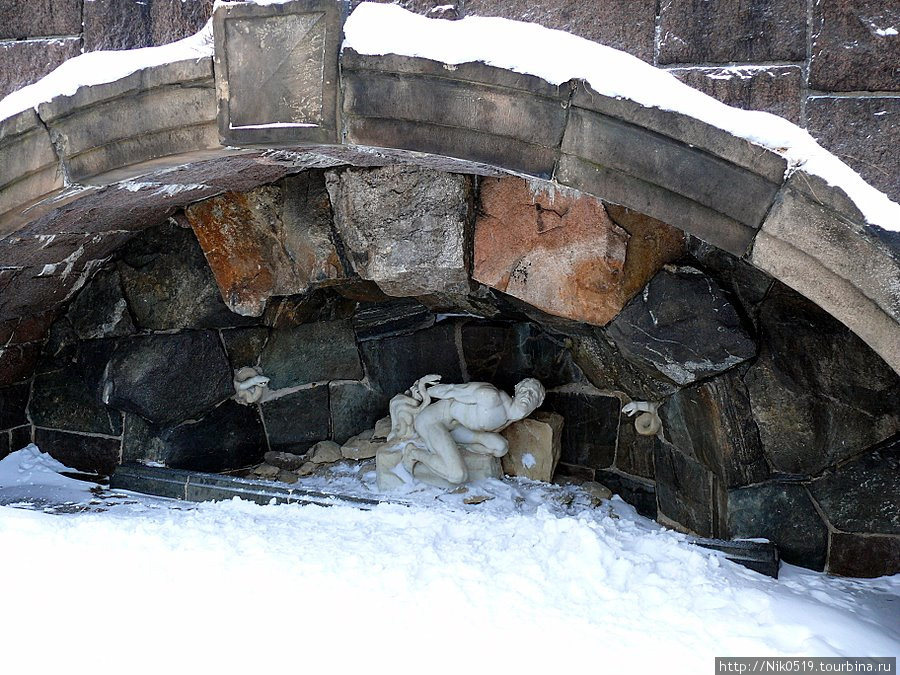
(439, 421)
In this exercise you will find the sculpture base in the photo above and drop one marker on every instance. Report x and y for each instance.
(391, 475)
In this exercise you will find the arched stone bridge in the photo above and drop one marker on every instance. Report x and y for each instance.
(81, 173)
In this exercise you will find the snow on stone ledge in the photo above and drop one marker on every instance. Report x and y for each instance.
(557, 57)
(103, 67)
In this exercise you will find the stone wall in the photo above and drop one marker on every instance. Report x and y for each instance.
(343, 286)
(829, 65)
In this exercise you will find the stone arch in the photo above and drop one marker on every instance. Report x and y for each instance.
(81, 172)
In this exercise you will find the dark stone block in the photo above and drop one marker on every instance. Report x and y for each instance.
(354, 408)
(150, 480)
(713, 424)
(634, 452)
(487, 349)
(853, 46)
(714, 182)
(574, 472)
(395, 363)
(168, 284)
(608, 370)
(100, 310)
(70, 398)
(36, 18)
(783, 513)
(732, 30)
(19, 438)
(26, 62)
(390, 319)
(774, 89)
(863, 496)
(640, 493)
(323, 304)
(628, 25)
(230, 437)
(13, 402)
(864, 132)
(688, 494)
(683, 326)
(591, 423)
(315, 352)
(4, 444)
(819, 395)
(85, 453)
(169, 378)
(297, 421)
(244, 345)
(17, 362)
(869, 556)
(33, 328)
(745, 284)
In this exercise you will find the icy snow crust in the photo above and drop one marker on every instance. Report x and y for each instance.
(532, 581)
(552, 55)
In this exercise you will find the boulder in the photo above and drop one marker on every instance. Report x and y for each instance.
(682, 326)
(362, 447)
(287, 461)
(354, 408)
(819, 395)
(535, 445)
(591, 426)
(315, 352)
(403, 227)
(100, 309)
(324, 452)
(274, 240)
(296, 421)
(555, 249)
(168, 378)
(689, 496)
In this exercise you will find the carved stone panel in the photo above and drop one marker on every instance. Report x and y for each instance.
(277, 71)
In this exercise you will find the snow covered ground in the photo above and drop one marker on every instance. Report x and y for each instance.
(532, 580)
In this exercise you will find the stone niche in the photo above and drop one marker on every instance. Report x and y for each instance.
(342, 287)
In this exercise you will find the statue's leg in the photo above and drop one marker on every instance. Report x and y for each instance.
(443, 456)
(481, 442)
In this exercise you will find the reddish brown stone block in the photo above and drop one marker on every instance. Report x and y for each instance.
(558, 251)
(864, 555)
(258, 247)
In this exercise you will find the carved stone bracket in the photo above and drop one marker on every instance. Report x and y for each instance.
(276, 71)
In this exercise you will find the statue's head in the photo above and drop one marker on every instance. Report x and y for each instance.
(530, 393)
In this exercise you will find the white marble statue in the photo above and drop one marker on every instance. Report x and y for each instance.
(439, 421)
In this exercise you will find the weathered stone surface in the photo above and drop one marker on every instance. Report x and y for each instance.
(266, 471)
(590, 427)
(168, 284)
(100, 309)
(731, 30)
(556, 250)
(634, 451)
(863, 496)
(535, 445)
(403, 227)
(607, 369)
(324, 452)
(229, 437)
(818, 394)
(274, 240)
(855, 555)
(784, 514)
(683, 326)
(651, 244)
(864, 132)
(742, 280)
(121, 24)
(315, 352)
(85, 453)
(774, 89)
(688, 494)
(855, 46)
(321, 304)
(638, 492)
(482, 114)
(286, 461)
(388, 319)
(244, 345)
(26, 62)
(624, 24)
(712, 423)
(395, 363)
(486, 349)
(13, 402)
(355, 407)
(362, 446)
(169, 378)
(296, 421)
(298, 59)
(23, 19)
